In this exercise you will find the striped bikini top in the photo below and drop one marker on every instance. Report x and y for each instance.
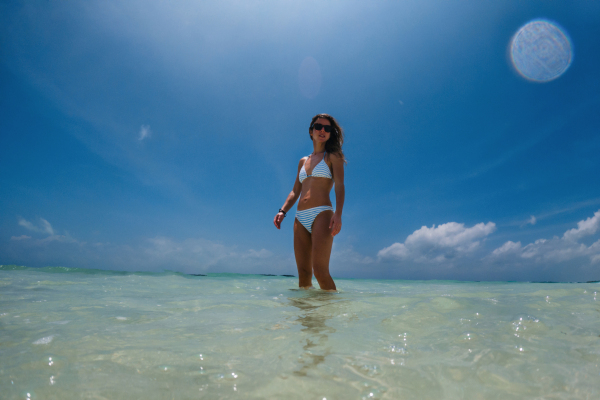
(321, 170)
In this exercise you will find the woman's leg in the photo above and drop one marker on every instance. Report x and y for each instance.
(322, 241)
(303, 252)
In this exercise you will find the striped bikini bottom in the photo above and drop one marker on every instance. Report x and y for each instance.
(307, 217)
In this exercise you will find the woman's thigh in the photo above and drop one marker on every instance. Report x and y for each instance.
(302, 247)
(322, 241)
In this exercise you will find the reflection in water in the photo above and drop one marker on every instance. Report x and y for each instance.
(316, 307)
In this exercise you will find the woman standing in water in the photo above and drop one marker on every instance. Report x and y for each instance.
(316, 223)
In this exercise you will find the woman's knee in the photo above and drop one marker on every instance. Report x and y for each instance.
(321, 273)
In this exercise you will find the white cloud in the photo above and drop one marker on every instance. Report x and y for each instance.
(439, 243)
(202, 255)
(553, 250)
(66, 238)
(584, 228)
(532, 220)
(44, 226)
(397, 250)
(144, 132)
(262, 253)
(22, 237)
(507, 248)
(190, 252)
(47, 227)
(158, 253)
(348, 256)
(447, 251)
(194, 255)
(557, 250)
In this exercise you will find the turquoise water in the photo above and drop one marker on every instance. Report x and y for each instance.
(73, 334)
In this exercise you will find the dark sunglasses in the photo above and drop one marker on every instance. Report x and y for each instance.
(318, 127)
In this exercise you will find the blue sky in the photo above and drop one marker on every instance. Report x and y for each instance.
(152, 135)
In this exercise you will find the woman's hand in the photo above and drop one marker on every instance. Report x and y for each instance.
(336, 224)
(278, 219)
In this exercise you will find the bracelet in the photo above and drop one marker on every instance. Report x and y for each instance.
(284, 213)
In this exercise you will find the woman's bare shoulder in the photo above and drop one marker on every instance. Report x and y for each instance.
(335, 158)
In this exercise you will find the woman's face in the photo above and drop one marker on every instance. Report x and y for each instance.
(321, 135)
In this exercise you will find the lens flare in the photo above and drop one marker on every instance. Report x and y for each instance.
(541, 51)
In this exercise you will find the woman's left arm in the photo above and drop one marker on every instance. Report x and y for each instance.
(337, 165)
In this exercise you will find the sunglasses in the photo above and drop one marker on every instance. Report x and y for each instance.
(318, 127)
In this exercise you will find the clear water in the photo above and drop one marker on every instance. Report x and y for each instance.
(77, 334)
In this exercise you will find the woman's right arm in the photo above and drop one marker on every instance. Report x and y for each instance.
(291, 199)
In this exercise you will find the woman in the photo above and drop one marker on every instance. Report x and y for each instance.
(316, 221)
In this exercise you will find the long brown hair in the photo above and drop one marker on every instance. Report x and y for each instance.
(336, 137)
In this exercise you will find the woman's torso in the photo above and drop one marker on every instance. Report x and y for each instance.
(316, 189)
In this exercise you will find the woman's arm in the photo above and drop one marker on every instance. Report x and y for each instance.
(337, 165)
(292, 197)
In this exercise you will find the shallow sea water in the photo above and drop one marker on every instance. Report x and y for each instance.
(80, 334)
